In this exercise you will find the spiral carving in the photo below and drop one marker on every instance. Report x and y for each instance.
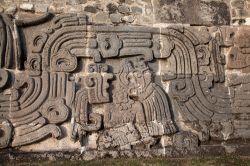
(55, 111)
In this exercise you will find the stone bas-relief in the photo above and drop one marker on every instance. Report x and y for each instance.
(129, 87)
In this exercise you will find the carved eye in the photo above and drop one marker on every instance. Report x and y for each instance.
(61, 62)
(53, 110)
(34, 64)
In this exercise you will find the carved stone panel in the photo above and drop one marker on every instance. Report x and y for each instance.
(120, 87)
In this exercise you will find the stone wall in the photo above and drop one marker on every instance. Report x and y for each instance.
(124, 78)
(141, 12)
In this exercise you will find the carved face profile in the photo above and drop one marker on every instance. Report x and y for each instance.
(134, 77)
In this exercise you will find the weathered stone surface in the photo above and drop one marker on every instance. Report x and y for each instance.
(102, 17)
(11, 9)
(116, 18)
(136, 110)
(112, 8)
(27, 6)
(1, 9)
(136, 9)
(123, 78)
(41, 8)
(90, 9)
(75, 2)
(123, 9)
(199, 12)
(128, 19)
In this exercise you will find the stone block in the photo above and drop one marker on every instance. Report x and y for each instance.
(192, 12)
(27, 6)
(41, 8)
(91, 9)
(124, 78)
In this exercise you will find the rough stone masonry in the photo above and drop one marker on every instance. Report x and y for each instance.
(134, 78)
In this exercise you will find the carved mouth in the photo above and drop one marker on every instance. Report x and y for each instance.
(134, 97)
(133, 94)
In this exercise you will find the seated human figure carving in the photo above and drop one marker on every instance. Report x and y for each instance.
(139, 101)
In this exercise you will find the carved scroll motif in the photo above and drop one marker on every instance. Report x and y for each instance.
(8, 97)
(95, 92)
(55, 111)
(199, 89)
(97, 83)
(109, 44)
(129, 85)
(63, 61)
(36, 112)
